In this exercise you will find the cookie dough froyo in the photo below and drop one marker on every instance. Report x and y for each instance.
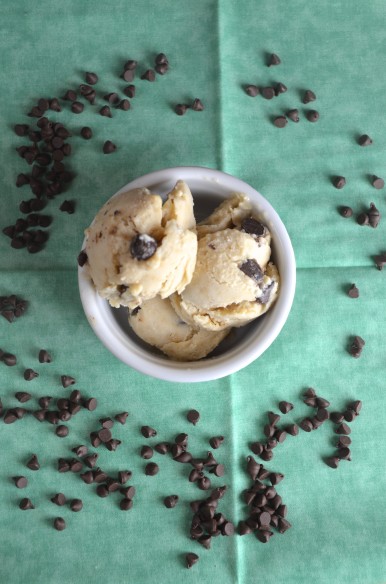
(158, 324)
(138, 247)
(233, 282)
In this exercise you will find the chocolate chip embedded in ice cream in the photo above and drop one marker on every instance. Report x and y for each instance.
(143, 246)
(138, 247)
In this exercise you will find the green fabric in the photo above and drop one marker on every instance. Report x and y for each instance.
(338, 516)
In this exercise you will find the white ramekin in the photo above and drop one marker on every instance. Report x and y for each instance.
(209, 187)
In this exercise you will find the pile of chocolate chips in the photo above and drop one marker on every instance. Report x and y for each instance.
(207, 522)
(12, 307)
(48, 148)
(277, 89)
(266, 509)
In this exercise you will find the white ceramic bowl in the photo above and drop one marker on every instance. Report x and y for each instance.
(244, 345)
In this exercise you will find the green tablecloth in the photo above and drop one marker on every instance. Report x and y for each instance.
(337, 49)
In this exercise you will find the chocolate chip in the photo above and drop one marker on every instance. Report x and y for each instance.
(273, 418)
(82, 258)
(126, 504)
(62, 431)
(30, 374)
(20, 482)
(22, 396)
(162, 447)
(216, 441)
(332, 461)
(308, 96)
(122, 417)
(285, 407)
(75, 465)
(181, 109)
(280, 88)
(67, 207)
(280, 121)
(149, 75)
(364, 140)
(377, 182)
(21, 129)
(312, 116)
(128, 492)
(322, 414)
(310, 401)
(252, 90)
(243, 528)
(59, 524)
(76, 505)
(109, 147)
(105, 111)
(355, 406)
(147, 452)
(106, 422)
(353, 291)
(321, 402)
(191, 559)
(124, 105)
(273, 60)
(59, 499)
(346, 211)
(143, 247)
(344, 453)
(197, 105)
(80, 450)
(252, 226)
(306, 425)
(151, 469)
(161, 59)
(268, 92)
(380, 261)
(90, 460)
(252, 269)
(293, 115)
(67, 380)
(26, 504)
(104, 435)
(102, 491)
(263, 535)
(128, 75)
(77, 107)
(91, 404)
(129, 91)
(130, 65)
(91, 78)
(193, 416)
(171, 501)
(373, 215)
(356, 347)
(253, 467)
(86, 132)
(343, 442)
(257, 448)
(8, 359)
(343, 428)
(33, 463)
(280, 436)
(339, 182)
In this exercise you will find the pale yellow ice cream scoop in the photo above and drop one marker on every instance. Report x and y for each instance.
(138, 247)
(233, 282)
(158, 324)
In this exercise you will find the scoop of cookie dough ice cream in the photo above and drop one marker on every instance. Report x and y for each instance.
(233, 282)
(157, 323)
(138, 247)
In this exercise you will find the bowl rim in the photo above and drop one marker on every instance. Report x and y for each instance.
(209, 369)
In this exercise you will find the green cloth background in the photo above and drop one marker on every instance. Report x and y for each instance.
(337, 49)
